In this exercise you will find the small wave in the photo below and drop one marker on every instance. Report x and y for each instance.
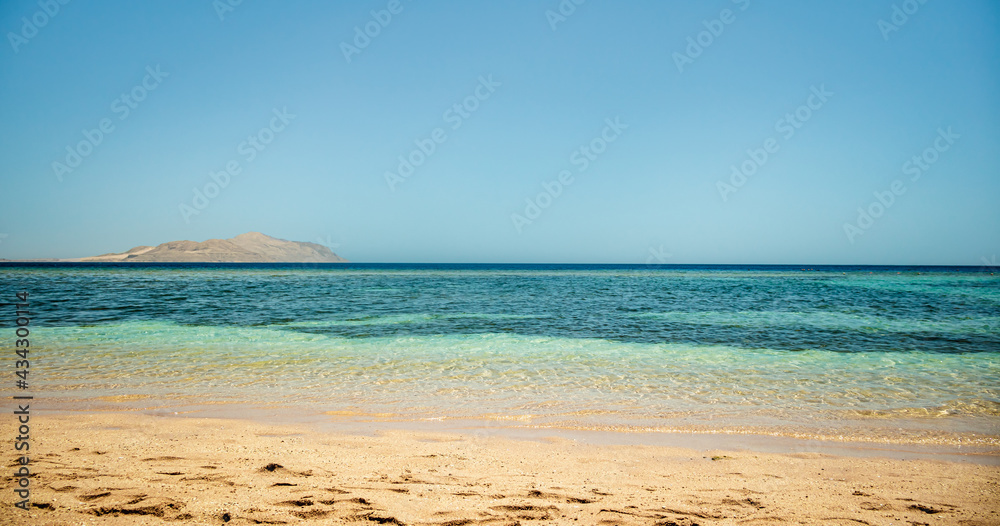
(951, 408)
(988, 325)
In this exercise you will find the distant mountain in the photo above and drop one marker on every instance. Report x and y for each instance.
(252, 247)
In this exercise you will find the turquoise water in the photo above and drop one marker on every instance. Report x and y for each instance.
(854, 353)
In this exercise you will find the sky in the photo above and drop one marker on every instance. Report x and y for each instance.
(724, 131)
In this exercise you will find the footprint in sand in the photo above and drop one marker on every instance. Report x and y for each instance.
(93, 496)
(528, 511)
(155, 506)
(63, 489)
(554, 496)
(296, 502)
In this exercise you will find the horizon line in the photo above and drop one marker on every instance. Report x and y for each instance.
(802, 266)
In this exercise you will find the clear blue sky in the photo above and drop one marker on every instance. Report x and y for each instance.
(653, 190)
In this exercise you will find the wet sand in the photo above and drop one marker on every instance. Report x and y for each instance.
(126, 468)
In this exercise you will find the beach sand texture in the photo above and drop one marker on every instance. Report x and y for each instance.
(121, 468)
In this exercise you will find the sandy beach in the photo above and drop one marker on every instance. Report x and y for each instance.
(500, 263)
(122, 468)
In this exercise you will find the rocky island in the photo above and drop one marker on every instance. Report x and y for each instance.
(252, 247)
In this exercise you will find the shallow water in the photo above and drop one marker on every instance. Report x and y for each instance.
(850, 353)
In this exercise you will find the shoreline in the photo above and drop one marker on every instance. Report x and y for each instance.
(975, 448)
(128, 468)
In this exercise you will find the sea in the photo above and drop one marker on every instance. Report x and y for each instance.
(905, 355)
